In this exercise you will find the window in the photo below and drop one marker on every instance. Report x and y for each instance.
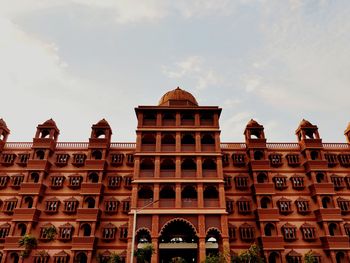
(332, 159)
(229, 206)
(344, 159)
(70, 205)
(41, 257)
(297, 182)
(232, 229)
(16, 180)
(4, 231)
(86, 229)
(123, 232)
(228, 182)
(280, 182)
(294, 257)
(284, 206)
(57, 181)
(247, 232)
(93, 177)
(241, 182)
(338, 182)
(7, 159)
(127, 181)
(62, 159)
(9, 205)
(23, 159)
(262, 178)
(117, 159)
(126, 206)
(308, 231)
(275, 159)
(302, 205)
(293, 159)
(97, 155)
(108, 232)
(52, 205)
(347, 229)
(130, 159)
(65, 232)
(61, 257)
(79, 159)
(225, 159)
(244, 206)
(75, 181)
(238, 159)
(347, 181)
(344, 205)
(111, 205)
(114, 181)
(4, 180)
(44, 235)
(289, 232)
(40, 154)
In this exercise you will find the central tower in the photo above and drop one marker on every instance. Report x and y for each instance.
(178, 166)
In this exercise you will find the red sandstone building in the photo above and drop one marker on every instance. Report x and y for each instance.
(201, 195)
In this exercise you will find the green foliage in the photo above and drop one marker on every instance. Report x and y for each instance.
(24, 253)
(50, 232)
(28, 242)
(43, 253)
(309, 258)
(215, 258)
(115, 258)
(144, 254)
(251, 255)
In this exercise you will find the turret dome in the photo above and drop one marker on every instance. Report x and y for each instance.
(178, 97)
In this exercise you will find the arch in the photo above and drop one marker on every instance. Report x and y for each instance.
(147, 164)
(314, 155)
(188, 138)
(100, 134)
(262, 178)
(187, 116)
(81, 257)
(97, 155)
(333, 229)
(168, 138)
(256, 134)
(215, 233)
(211, 192)
(93, 177)
(149, 116)
(143, 235)
(183, 221)
(258, 155)
(29, 201)
(86, 229)
(148, 138)
(320, 178)
(265, 202)
(34, 177)
(188, 164)
(189, 191)
(326, 202)
(145, 192)
(40, 154)
(269, 229)
(340, 257)
(309, 134)
(90, 201)
(274, 257)
(22, 228)
(45, 133)
(167, 192)
(167, 164)
(14, 257)
(168, 116)
(209, 164)
(208, 138)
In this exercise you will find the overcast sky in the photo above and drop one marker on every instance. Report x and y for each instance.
(78, 61)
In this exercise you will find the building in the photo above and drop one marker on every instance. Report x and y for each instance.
(198, 195)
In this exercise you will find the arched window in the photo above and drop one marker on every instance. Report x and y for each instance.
(211, 192)
(189, 164)
(320, 178)
(22, 229)
(309, 134)
(86, 228)
(269, 230)
(97, 155)
(314, 155)
(340, 257)
(100, 134)
(326, 202)
(265, 202)
(90, 202)
(168, 139)
(45, 134)
(40, 154)
(34, 177)
(189, 192)
(274, 257)
(143, 236)
(145, 192)
(256, 134)
(168, 119)
(29, 201)
(333, 229)
(167, 192)
(167, 164)
(188, 138)
(80, 258)
(209, 164)
(149, 139)
(93, 177)
(258, 155)
(147, 164)
(262, 178)
(208, 139)
(14, 257)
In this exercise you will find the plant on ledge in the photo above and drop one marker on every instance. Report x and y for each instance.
(215, 258)
(144, 254)
(251, 255)
(50, 233)
(29, 242)
(309, 258)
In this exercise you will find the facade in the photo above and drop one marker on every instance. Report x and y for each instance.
(194, 195)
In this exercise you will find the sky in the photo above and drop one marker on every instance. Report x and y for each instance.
(78, 61)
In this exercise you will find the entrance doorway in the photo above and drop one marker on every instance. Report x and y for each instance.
(178, 242)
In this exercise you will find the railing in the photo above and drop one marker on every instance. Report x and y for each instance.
(167, 173)
(18, 145)
(188, 173)
(148, 147)
(123, 145)
(208, 147)
(143, 202)
(189, 202)
(188, 147)
(168, 147)
(336, 146)
(73, 145)
(167, 202)
(211, 202)
(209, 173)
(146, 173)
(287, 145)
(237, 145)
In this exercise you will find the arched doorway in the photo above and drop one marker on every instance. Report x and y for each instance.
(178, 242)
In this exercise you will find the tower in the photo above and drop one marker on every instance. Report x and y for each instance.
(4, 132)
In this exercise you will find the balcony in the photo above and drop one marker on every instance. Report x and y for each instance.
(149, 122)
(187, 122)
(88, 214)
(188, 147)
(167, 203)
(328, 214)
(259, 164)
(315, 165)
(39, 165)
(83, 243)
(256, 143)
(168, 122)
(168, 148)
(211, 203)
(209, 173)
(32, 189)
(144, 202)
(97, 165)
(267, 214)
(167, 173)
(44, 143)
(208, 148)
(189, 174)
(146, 174)
(273, 242)
(189, 203)
(26, 215)
(98, 143)
(148, 148)
(322, 189)
(311, 143)
(264, 189)
(335, 242)
(91, 189)
(12, 242)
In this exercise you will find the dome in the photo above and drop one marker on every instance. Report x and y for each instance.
(178, 97)
(305, 123)
(49, 122)
(253, 123)
(102, 122)
(3, 123)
